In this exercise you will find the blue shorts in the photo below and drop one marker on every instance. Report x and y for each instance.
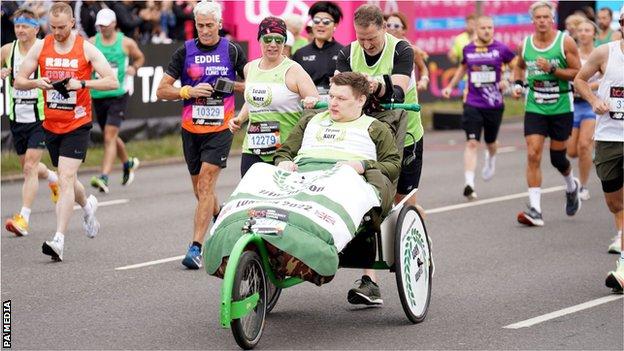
(582, 111)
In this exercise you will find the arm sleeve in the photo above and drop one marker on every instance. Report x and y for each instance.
(388, 158)
(176, 65)
(403, 59)
(343, 63)
(291, 146)
(237, 55)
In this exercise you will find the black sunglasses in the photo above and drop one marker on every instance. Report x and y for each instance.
(394, 26)
(319, 20)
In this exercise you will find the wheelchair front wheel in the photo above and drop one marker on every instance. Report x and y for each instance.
(273, 294)
(248, 280)
(413, 264)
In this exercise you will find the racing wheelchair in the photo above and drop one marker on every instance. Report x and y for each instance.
(398, 243)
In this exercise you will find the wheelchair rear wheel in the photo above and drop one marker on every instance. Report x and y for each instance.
(413, 264)
(273, 293)
(248, 280)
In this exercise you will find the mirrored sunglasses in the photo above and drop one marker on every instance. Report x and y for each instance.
(278, 39)
(319, 20)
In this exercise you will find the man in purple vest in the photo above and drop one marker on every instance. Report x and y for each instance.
(202, 65)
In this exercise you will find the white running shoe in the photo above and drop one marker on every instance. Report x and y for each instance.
(616, 245)
(584, 194)
(54, 249)
(489, 167)
(90, 223)
(615, 279)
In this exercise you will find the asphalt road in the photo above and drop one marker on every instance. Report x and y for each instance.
(491, 272)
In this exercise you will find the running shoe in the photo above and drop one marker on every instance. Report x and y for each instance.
(531, 217)
(615, 279)
(89, 222)
(128, 172)
(54, 249)
(193, 258)
(367, 293)
(17, 225)
(487, 173)
(584, 193)
(616, 245)
(573, 201)
(100, 183)
(469, 193)
(54, 191)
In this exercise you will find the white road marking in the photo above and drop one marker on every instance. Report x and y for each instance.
(150, 263)
(489, 201)
(107, 203)
(506, 149)
(563, 312)
(431, 211)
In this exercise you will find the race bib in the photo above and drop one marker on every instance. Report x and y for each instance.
(55, 100)
(25, 95)
(546, 91)
(263, 138)
(483, 77)
(616, 103)
(208, 115)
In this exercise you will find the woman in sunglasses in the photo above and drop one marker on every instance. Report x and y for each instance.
(274, 88)
(396, 24)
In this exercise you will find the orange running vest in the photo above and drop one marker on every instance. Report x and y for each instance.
(64, 115)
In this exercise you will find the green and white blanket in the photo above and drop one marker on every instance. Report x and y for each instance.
(310, 215)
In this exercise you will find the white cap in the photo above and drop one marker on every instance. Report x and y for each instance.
(105, 17)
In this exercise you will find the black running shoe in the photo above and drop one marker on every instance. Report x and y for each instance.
(367, 293)
(469, 193)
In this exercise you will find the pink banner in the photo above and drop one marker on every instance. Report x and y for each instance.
(433, 24)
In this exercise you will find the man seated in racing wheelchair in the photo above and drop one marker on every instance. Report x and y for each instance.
(341, 135)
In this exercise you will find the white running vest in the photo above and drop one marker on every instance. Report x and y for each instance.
(327, 139)
(610, 126)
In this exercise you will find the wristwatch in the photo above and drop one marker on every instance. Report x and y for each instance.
(552, 69)
(83, 84)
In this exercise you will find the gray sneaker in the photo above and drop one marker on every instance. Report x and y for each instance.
(367, 293)
(531, 218)
(573, 201)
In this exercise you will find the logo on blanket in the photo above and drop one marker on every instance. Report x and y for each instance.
(296, 182)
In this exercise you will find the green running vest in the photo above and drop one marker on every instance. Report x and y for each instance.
(548, 95)
(384, 66)
(118, 60)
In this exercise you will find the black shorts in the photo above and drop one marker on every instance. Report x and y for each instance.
(557, 127)
(73, 144)
(474, 119)
(27, 136)
(212, 148)
(248, 160)
(111, 111)
(411, 168)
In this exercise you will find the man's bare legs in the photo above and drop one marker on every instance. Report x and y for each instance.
(204, 185)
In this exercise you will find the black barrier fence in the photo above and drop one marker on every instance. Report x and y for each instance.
(149, 117)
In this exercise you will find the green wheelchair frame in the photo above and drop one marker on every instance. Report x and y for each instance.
(401, 245)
